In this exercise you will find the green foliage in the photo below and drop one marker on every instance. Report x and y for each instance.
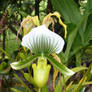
(68, 9)
(58, 87)
(88, 6)
(78, 43)
(9, 57)
(79, 28)
(21, 81)
(72, 37)
(15, 90)
(29, 78)
(71, 86)
(18, 89)
(78, 39)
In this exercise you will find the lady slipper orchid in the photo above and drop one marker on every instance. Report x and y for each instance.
(42, 42)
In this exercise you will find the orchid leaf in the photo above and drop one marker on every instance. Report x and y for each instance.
(68, 9)
(73, 35)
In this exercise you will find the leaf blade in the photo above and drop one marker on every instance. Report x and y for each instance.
(68, 9)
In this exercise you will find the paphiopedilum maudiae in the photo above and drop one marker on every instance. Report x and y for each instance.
(43, 42)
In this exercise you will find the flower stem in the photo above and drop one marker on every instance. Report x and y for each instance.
(39, 89)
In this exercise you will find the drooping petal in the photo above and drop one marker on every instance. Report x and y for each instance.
(60, 66)
(43, 40)
(28, 23)
(49, 20)
(22, 64)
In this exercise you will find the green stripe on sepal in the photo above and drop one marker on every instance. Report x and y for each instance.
(25, 63)
(61, 67)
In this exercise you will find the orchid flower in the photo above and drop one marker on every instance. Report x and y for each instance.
(43, 42)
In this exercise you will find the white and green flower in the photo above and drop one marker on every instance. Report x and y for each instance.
(43, 42)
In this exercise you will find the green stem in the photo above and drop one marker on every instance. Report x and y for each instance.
(39, 89)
